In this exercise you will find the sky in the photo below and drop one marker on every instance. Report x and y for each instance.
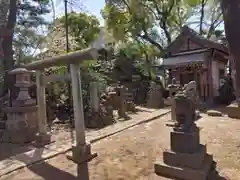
(91, 6)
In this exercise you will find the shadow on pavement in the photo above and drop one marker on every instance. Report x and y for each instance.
(45, 170)
(9, 149)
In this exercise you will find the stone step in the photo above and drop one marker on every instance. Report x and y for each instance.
(192, 160)
(202, 173)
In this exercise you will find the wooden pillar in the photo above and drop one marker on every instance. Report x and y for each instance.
(209, 86)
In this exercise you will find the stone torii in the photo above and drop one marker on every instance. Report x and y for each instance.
(81, 152)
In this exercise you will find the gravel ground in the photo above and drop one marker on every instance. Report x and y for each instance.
(130, 154)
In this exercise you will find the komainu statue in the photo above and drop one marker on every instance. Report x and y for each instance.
(185, 112)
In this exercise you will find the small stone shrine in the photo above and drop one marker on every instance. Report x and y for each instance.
(21, 123)
(187, 159)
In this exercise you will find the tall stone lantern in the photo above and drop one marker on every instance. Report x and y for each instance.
(23, 82)
(21, 124)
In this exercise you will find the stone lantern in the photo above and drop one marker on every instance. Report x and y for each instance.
(23, 82)
(21, 124)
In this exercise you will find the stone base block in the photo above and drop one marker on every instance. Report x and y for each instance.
(168, 171)
(18, 136)
(42, 139)
(185, 142)
(233, 111)
(192, 160)
(81, 154)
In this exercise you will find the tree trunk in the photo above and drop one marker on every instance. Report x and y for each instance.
(8, 49)
(4, 6)
(231, 14)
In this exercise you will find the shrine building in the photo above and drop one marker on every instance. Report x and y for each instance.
(191, 57)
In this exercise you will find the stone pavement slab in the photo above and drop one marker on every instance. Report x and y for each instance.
(39, 154)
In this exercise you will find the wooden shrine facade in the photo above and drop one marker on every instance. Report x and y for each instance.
(193, 58)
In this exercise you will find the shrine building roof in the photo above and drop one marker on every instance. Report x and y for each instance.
(189, 39)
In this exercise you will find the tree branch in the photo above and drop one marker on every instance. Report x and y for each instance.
(203, 3)
(163, 22)
(146, 37)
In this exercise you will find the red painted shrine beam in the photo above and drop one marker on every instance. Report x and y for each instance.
(71, 58)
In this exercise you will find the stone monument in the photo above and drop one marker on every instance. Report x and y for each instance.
(155, 99)
(173, 89)
(187, 159)
(190, 90)
(21, 123)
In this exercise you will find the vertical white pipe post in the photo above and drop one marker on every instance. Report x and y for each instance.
(41, 100)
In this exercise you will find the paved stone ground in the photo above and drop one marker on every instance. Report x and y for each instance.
(64, 141)
(130, 154)
(62, 133)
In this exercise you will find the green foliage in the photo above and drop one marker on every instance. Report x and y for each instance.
(27, 37)
(140, 19)
(193, 3)
(83, 27)
(158, 22)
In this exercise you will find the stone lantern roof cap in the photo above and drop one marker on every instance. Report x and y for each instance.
(20, 71)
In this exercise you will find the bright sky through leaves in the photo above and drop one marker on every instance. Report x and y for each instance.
(92, 6)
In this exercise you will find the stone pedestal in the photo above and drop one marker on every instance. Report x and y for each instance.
(81, 154)
(233, 111)
(42, 139)
(187, 159)
(21, 123)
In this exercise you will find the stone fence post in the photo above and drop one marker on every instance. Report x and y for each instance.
(94, 96)
(43, 137)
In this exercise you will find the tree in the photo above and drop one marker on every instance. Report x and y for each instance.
(25, 14)
(84, 28)
(141, 54)
(28, 37)
(158, 21)
(232, 28)
(208, 16)
(4, 5)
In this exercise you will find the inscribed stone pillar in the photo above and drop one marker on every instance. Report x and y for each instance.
(94, 96)
(155, 99)
(173, 113)
(43, 136)
(41, 100)
(122, 103)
